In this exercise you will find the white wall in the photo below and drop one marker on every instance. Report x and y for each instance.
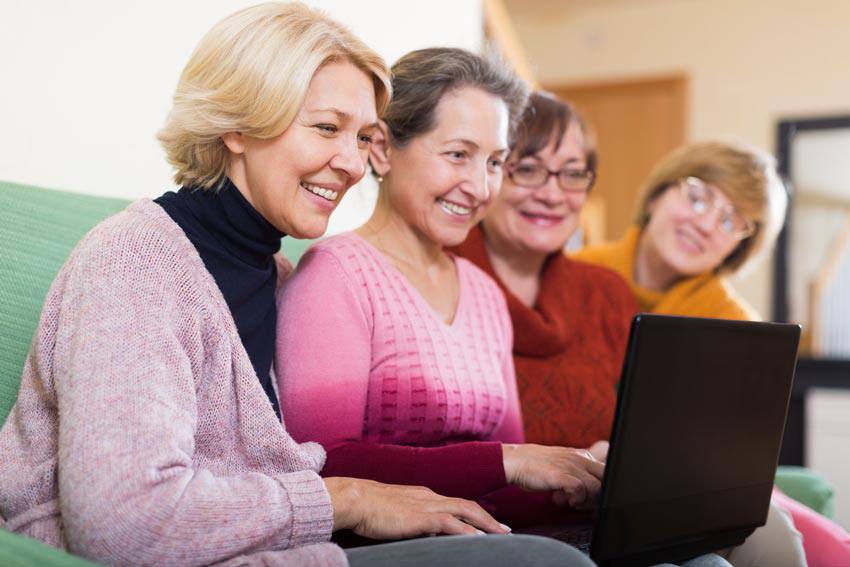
(85, 85)
(751, 62)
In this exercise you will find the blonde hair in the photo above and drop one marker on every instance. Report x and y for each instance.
(746, 175)
(250, 74)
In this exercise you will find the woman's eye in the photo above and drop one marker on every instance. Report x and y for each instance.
(329, 128)
(459, 154)
(365, 139)
(496, 163)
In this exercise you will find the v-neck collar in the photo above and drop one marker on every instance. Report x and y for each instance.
(414, 291)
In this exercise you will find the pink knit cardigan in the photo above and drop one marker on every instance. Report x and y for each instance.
(141, 435)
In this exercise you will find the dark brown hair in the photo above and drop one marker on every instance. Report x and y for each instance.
(546, 119)
(423, 77)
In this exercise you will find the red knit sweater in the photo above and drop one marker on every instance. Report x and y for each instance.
(568, 348)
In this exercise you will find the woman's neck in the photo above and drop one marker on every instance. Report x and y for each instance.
(519, 270)
(650, 270)
(388, 232)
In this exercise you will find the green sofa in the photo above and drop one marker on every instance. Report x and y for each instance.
(38, 229)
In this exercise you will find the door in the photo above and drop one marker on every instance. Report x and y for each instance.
(637, 123)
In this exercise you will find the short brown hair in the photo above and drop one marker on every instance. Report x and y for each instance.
(250, 73)
(547, 118)
(423, 77)
(746, 175)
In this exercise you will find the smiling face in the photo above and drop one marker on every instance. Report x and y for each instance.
(687, 243)
(441, 182)
(540, 220)
(296, 179)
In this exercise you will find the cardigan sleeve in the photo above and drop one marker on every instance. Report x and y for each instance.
(324, 347)
(127, 367)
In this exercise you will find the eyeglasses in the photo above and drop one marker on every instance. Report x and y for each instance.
(571, 180)
(702, 200)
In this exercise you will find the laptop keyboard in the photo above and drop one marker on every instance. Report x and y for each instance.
(577, 536)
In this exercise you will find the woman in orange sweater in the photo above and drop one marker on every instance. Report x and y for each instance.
(707, 211)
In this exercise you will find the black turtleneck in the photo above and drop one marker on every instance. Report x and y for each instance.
(237, 246)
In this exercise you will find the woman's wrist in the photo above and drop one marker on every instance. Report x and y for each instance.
(510, 461)
(343, 493)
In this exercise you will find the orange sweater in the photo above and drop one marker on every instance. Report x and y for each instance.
(707, 295)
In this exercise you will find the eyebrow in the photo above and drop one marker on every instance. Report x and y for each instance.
(341, 115)
(472, 144)
(569, 161)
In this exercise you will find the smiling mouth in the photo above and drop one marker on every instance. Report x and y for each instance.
(689, 240)
(328, 194)
(454, 208)
(541, 219)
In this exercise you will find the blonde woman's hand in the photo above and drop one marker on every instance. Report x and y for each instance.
(388, 511)
(575, 474)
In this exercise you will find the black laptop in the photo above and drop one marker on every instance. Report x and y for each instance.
(700, 416)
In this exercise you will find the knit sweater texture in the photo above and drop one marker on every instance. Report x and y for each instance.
(141, 434)
(393, 392)
(706, 295)
(568, 347)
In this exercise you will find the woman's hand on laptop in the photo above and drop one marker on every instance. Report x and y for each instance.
(574, 474)
(389, 511)
(599, 450)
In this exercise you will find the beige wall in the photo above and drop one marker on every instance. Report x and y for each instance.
(750, 62)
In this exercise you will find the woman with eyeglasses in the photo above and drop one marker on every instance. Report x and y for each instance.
(707, 211)
(570, 319)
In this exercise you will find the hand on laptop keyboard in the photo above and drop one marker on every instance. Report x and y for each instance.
(575, 473)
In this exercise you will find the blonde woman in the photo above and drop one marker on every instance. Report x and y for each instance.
(146, 431)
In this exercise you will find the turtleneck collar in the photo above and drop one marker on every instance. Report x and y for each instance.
(237, 245)
(234, 223)
(541, 330)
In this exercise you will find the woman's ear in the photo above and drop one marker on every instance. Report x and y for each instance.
(234, 141)
(380, 150)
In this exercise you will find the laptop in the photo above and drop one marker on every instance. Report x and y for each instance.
(696, 438)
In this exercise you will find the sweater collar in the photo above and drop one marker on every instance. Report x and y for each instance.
(541, 330)
(234, 223)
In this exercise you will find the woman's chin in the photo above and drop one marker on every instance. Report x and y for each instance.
(309, 230)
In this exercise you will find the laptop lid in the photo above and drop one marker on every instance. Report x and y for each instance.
(696, 438)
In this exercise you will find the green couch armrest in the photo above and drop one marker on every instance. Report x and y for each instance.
(807, 487)
(20, 551)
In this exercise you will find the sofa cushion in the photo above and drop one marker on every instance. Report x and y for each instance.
(806, 486)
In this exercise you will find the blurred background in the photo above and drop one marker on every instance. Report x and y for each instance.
(86, 85)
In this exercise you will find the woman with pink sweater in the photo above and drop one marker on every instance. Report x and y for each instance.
(146, 431)
(399, 353)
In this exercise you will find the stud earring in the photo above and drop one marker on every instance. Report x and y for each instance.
(380, 179)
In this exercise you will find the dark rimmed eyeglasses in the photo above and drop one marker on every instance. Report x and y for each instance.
(570, 179)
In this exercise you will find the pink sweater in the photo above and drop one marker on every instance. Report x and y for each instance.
(369, 370)
(141, 435)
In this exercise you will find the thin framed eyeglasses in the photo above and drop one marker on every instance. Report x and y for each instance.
(702, 200)
(570, 179)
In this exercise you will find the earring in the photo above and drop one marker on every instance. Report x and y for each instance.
(380, 179)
